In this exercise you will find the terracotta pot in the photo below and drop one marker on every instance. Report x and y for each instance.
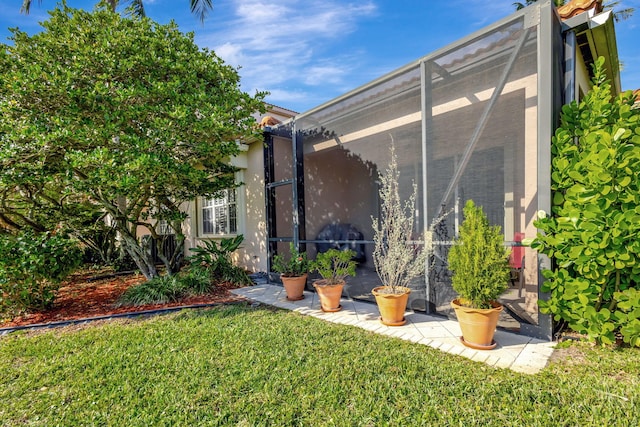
(294, 286)
(478, 325)
(329, 295)
(391, 306)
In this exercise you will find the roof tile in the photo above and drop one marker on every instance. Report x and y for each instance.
(576, 7)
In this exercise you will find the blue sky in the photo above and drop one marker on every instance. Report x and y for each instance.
(306, 52)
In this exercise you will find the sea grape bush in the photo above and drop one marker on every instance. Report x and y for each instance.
(31, 268)
(593, 232)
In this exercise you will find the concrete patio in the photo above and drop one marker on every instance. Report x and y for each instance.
(516, 352)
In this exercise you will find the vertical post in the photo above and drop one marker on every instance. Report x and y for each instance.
(269, 195)
(299, 219)
(549, 76)
(426, 101)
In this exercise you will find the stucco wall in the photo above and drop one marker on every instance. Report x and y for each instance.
(339, 188)
(252, 255)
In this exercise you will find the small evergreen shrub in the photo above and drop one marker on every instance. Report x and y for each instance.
(479, 260)
(396, 259)
(32, 266)
(196, 280)
(193, 280)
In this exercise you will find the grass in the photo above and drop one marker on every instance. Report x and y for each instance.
(246, 366)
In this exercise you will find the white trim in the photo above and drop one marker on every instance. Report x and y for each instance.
(241, 211)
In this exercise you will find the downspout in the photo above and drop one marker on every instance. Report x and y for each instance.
(570, 63)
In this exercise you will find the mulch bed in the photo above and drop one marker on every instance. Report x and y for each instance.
(82, 297)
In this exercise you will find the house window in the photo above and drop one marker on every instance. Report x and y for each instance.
(220, 215)
(163, 228)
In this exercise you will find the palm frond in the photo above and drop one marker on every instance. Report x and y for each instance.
(623, 14)
(26, 6)
(201, 8)
(136, 9)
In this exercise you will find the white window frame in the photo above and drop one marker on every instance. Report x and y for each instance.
(240, 208)
(163, 228)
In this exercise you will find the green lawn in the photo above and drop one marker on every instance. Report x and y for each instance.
(246, 366)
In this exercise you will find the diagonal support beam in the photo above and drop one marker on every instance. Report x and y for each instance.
(483, 122)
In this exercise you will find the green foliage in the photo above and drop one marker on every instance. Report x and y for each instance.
(519, 5)
(159, 290)
(479, 260)
(194, 280)
(396, 259)
(31, 269)
(335, 265)
(296, 265)
(200, 8)
(593, 232)
(125, 116)
(216, 258)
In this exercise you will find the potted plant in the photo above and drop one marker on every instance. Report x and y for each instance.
(480, 265)
(397, 256)
(293, 272)
(334, 266)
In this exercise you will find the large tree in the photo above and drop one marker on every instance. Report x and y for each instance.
(136, 7)
(127, 116)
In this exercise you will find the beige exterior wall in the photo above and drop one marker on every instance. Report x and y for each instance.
(253, 254)
(250, 206)
(339, 189)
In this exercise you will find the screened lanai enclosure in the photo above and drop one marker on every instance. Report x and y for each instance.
(470, 121)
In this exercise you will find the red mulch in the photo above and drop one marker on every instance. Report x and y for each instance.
(81, 298)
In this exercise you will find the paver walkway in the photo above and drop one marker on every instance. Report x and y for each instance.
(516, 352)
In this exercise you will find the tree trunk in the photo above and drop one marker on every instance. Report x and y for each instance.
(172, 261)
(142, 258)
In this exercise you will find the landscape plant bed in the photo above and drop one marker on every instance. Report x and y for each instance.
(84, 296)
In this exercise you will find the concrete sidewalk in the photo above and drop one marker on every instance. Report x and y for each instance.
(516, 352)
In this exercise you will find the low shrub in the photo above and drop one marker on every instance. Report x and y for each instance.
(216, 258)
(32, 266)
(159, 290)
(193, 280)
(196, 279)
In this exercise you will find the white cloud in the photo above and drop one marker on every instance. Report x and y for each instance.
(231, 53)
(288, 41)
(324, 74)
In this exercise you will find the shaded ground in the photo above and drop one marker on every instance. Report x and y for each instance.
(81, 297)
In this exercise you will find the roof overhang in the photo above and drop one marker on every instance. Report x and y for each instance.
(596, 36)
